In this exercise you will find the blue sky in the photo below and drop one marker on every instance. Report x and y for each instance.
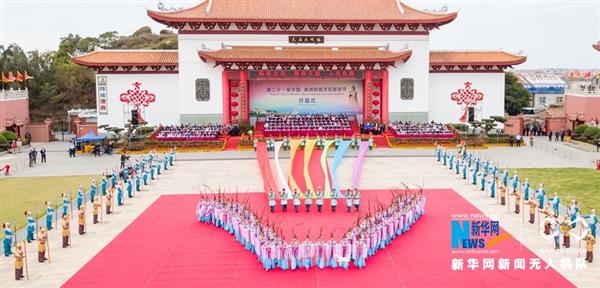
(553, 34)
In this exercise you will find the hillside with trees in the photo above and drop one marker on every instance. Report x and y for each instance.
(58, 84)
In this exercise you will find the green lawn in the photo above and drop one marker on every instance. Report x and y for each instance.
(18, 194)
(580, 184)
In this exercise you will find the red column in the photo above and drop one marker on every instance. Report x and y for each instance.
(367, 89)
(244, 103)
(226, 97)
(384, 97)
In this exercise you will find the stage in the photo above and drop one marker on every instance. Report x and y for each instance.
(167, 247)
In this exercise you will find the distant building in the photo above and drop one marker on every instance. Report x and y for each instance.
(82, 121)
(14, 116)
(14, 111)
(546, 89)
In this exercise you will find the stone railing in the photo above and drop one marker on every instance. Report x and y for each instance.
(13, 94)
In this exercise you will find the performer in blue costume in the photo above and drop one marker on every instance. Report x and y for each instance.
(65, 204)
(114, 178)
(49, 215)
(30, 227)
(445, 157)
(464, 170)
(526, 189)
(93, 190)
(129, 187)
(79, 196)
(483, 180)
(592, 220)
(493, 187)
(145, 177)
(8, 239)
(555, 203)
(138, 182)
(541, 194)
(505, 178)
(438, 152)
(515, 181)
(451, 161)
(104, 186)
(119, 194)
(573, 211)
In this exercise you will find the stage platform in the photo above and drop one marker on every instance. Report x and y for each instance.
(167, 247)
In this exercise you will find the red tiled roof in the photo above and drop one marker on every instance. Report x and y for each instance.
(304, 54)
(128, 57)
(596, 46)
(322, 11)
(474, 58)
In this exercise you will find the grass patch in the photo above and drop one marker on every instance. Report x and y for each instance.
(580, 184)
(18, 194)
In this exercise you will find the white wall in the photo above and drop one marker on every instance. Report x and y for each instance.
(443, 109)
(191, 67)
(165, 110)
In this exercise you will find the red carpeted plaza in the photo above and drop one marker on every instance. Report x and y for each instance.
(167, 247)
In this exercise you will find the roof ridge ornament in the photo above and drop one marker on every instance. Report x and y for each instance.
(208, 6)
(400, 8)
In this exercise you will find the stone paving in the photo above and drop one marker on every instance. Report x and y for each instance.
(383, 169)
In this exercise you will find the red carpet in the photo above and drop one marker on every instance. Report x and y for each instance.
(355, 127)
(316, 171)
(232, 143)
(298, 170)
(258, 129)
(380, 141)
(167, 247)
(265, 167)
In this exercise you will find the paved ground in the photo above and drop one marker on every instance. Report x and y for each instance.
(543, 154)
(383, 169)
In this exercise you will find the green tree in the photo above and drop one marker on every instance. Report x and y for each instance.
(515, 95)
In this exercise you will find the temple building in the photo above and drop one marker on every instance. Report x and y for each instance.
(237, 60)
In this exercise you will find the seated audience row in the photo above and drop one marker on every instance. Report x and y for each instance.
(186, 132)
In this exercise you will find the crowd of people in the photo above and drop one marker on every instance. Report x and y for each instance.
(307, 124)
(370, 234)
(557, 221)
(188, 132)
(371, 127)
(413, 129)
(130, 178)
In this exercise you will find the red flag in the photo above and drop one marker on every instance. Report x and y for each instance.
(27, 77)
(11, 78)
(19, 76)
(4, 79)
(463, 118)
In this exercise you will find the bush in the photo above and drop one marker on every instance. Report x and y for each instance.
(3, 139)
(460, 126)
(591, 132)
(141, 131)
(580, 129)
(10, 136)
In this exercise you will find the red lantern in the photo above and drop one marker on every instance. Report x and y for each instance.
(234, 113)
(375, 102)
(234, 104)
(375, 93)
(376, 83)
(375, 111)
(234, 94)
(234, 84)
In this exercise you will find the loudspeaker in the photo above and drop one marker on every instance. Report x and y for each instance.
(134, 117)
